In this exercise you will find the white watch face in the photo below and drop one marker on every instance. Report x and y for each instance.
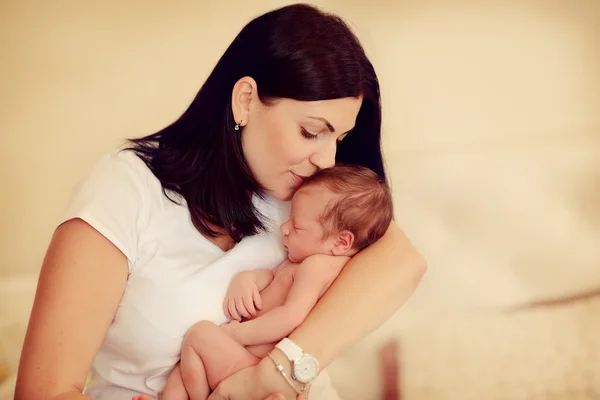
(306, 369)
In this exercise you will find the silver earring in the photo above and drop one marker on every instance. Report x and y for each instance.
(237, 126)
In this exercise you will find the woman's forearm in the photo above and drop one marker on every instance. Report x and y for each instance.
(372, 286)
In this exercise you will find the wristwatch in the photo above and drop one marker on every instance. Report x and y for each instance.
(305, 367)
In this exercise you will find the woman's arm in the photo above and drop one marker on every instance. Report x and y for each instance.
(368, 291)
(81, 283)
(372, 286)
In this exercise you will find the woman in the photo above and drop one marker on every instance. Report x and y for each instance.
(293, 93)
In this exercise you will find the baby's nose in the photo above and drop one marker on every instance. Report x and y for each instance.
(284, 228)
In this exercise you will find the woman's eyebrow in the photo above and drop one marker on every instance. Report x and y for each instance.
(327, 123)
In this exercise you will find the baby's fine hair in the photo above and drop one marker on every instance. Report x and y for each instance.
(362, 205)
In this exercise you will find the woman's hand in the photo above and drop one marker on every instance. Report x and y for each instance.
(260, 382)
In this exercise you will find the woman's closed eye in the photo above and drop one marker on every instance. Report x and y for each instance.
(307, 134)
(311, 135)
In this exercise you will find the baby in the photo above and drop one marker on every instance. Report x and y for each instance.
(338, 212)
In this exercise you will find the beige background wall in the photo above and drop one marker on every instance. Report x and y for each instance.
(491, 114)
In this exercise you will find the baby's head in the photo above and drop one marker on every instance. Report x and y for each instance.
(338, 211)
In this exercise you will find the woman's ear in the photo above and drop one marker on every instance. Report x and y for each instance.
(244, 92)
(343, 244)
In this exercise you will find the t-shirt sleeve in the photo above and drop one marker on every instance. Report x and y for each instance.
(111, 198)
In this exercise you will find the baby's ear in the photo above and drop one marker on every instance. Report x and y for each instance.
(343, 243)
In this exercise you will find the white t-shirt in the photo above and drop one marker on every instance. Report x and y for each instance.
(176, 276)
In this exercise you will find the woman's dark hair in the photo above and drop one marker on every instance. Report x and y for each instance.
(296, 52)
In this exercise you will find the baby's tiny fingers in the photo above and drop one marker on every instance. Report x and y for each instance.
(241, 308)
(226, 308)
(257, 298)
(233, 310)
(249, 305)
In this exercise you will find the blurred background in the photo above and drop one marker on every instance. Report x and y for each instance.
(491, 137)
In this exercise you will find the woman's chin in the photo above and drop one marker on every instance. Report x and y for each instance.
(282, 194)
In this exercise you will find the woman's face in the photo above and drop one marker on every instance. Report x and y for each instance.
(290, 140)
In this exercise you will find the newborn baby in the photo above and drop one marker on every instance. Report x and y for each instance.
(337, 212)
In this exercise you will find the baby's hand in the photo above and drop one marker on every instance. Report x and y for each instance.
(243, 297)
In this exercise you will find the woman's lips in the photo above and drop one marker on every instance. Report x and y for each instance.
(298, 179)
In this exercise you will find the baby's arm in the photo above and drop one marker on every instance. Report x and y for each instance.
(262, 277)
(243, 295)
(310, 282)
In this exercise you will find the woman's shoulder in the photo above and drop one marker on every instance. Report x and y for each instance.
(121, 163)
(118, 171)
(116, 196)
(118, 183)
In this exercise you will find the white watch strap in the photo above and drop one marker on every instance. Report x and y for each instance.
(291, 350)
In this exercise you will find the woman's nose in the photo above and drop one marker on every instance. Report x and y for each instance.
(325, 156)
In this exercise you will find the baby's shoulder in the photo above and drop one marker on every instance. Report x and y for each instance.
(322, 261)
(327, 267)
